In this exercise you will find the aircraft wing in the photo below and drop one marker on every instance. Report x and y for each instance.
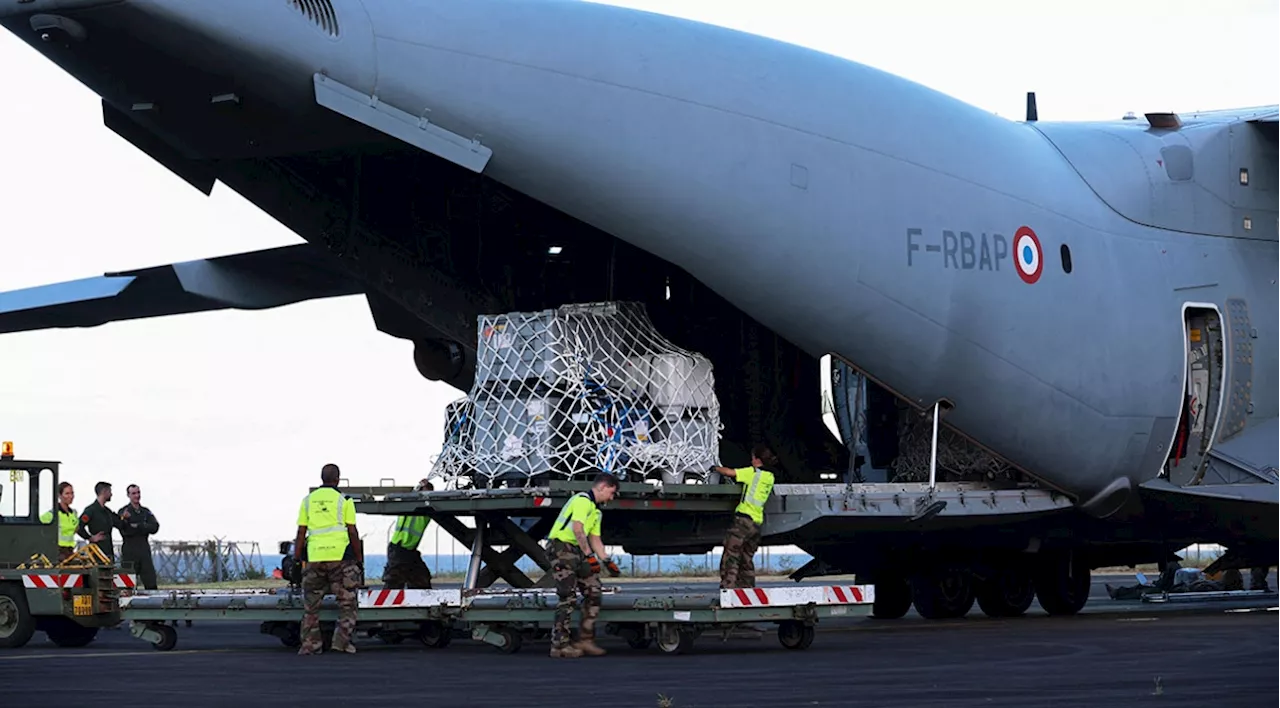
(256, 280)
(1257, 114)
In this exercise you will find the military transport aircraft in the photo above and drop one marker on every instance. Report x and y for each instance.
(1092, 305)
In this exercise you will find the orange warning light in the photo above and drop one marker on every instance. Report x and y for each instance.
(6, 449)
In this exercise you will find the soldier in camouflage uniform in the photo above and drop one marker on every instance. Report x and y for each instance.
(577, 555)
(737, 565)
(328, 537)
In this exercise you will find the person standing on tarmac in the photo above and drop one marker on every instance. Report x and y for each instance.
(737, 569)
(67, 520)
(98, 522)
(328, 549)
(577, 554)
(405, 568)
(135, 548)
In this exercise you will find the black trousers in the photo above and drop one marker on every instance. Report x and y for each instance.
(139, 560)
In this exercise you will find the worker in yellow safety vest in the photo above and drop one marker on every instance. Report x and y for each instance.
(577, 555)
(405, 568)
(328, 549)
(68, 520)
(737, 569)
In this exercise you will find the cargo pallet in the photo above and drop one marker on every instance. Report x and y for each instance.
(506, 618)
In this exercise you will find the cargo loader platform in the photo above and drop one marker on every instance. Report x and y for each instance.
(693, 518)
(506, 618)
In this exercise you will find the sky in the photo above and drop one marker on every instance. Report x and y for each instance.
(224, 419)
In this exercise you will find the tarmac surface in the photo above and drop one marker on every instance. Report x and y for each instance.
(1221, 653)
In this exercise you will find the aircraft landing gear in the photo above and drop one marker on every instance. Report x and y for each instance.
(1007, 592)
(942, 593)
(1062, 581)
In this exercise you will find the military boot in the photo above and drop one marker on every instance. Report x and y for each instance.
(567, 652)
(588, 647)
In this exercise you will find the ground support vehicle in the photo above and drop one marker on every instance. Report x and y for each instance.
(505, 618)
(69, 601)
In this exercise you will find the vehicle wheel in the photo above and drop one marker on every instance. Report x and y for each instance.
(390, 637)
(674, 641)
(893, 598)
(1007, 593)
(512, 640)
(168, 637)
(1062, 584)
(68, 633)
(290, 635)
(795, 635)
(943, 594)
(435, 635)
(639, 642)
(16, 623)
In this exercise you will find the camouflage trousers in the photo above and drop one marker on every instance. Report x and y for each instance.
(737, 566)
(571, 572)
(405, 570)
(342, 578)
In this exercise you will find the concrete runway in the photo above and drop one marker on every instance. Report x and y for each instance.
(1113, 654)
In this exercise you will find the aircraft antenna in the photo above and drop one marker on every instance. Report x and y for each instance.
(1033, 115)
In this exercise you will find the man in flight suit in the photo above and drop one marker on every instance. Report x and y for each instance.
(405, 568)
(577, 555)
(97, 521)
(67, 520)
(135, 550)
(737, 568)
(330, 546)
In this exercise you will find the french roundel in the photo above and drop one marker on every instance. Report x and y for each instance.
(1027, 255)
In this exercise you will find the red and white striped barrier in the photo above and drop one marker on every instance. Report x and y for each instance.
(383, 597)
(787, 596)
(62, 581)
(50, 581)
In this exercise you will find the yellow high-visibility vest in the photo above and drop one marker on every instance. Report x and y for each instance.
(67, 523)
(756, 487)
(578, 508)
(326, 513)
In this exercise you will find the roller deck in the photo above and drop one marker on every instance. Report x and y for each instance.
(505, 618)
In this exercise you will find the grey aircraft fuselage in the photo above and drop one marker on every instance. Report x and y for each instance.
(921, 239)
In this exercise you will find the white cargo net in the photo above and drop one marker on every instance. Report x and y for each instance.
(566, 393)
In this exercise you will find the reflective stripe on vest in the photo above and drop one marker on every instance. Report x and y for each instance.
(68, 521)
(563, 519)
(327, 529)
(409, 530)
(752, 504)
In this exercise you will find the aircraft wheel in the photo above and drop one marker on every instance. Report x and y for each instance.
(1062, 584)
(16, 623)
(943, 594)
(1007, 593)
(67, 633)
(893, 598)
